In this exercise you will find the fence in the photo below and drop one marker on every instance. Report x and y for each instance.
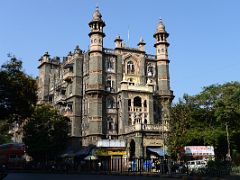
(123, 165)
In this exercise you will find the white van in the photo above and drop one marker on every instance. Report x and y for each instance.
(196, 164)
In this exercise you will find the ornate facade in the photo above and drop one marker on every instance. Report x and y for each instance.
(121, 93)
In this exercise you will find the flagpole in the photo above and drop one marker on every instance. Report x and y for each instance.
(128, 37)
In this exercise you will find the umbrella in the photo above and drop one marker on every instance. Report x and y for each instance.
(90, 157)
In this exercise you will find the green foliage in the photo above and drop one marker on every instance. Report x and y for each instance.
(17, 96)
(17, 91)
(4, 136)
(45, 133)
(202, 119)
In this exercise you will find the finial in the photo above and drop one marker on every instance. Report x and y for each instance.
(46, 53)
(161, 21)
(70, 53)
(118, 38)
(141, 41)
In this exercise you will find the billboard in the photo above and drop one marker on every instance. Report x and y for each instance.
(199, 150)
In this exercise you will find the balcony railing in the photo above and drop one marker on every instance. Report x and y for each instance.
(108, 51)
(137, 109)
(146, 127)
(150, 56)
(136, 88)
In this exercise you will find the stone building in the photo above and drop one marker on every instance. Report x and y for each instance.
(120, 94)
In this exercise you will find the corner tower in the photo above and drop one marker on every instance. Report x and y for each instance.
(163, 79)
(95, 85)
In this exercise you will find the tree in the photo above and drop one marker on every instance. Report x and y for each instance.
(45, 133)
(17, 95)
(202, 119)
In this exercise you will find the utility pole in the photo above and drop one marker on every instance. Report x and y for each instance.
(228, 155)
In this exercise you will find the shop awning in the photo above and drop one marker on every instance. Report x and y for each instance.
(84, 151)
(68, 154)
(158, 150)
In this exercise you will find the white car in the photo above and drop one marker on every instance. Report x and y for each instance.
(196, 164)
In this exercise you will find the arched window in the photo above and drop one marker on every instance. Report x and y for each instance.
(132, 150)
(109, 65)
(129, 102)
(109, 84)
(130, 67)
(145, 121)
(137, 101)
(129, 121)
(110, 123)
(110, 102)
(145, 103)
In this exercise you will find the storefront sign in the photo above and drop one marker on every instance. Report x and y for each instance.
(106, 152)
(153, 142)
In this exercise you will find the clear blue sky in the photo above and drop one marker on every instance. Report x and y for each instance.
(204, 34)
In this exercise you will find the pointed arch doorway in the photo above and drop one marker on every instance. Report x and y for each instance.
(132, 148)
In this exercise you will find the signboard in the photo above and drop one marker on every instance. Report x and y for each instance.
(199, 150)
(153, 142)
(106, 152)
(111, 143)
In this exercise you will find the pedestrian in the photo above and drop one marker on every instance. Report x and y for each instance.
(129, 166)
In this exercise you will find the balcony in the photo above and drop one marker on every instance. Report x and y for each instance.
(110, 89)
(126, 86)
(111, 111)
(68, 113)
(146, 127)
(60, 98)
(68, 76)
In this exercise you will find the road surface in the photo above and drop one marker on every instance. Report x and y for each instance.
(36, 176)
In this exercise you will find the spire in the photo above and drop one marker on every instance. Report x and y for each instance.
(141, 44)
(141, 41)
(97, 15)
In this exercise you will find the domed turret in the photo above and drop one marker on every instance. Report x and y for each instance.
(160, 26)
(161, 34)
(96, 24)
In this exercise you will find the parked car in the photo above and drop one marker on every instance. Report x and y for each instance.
(195, 165)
